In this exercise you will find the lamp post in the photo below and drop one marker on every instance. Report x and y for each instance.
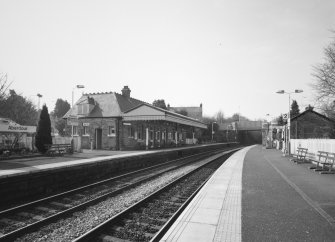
(213, 130)
(39, 98)
(229, 126)
(78, 87)
(287, 148)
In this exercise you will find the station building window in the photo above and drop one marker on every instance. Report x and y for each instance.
(74, 130)
(140, 132)
(130, 132)
(163, 135)
(111, 130)
(85, 131)
(151, 136)
(170, 135)
(157, 135)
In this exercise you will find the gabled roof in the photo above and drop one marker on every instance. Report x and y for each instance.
(126, 103)
(146, 111)
(312, 111)
(108, 104)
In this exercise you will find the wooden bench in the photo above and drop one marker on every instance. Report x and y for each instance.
(300, 157)
(58, 149)
(324, 159)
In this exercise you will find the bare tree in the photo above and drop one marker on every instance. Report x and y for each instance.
(219, 116)
(324, 74)
(4, 85)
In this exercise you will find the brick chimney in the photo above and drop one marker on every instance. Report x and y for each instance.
(126, 92)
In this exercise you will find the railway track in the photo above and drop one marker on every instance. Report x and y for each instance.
(25, 218)
(150, 218)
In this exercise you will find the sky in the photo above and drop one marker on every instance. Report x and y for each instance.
(230, 55)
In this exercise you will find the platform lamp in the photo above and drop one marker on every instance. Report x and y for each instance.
(39, 98)
(287, 148)
(213, 130)
(78, 87)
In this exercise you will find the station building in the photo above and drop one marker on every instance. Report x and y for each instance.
(119, 122)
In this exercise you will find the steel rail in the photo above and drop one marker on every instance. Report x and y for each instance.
(91, 234)
(33, 226)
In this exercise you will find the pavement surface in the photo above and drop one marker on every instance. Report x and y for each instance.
(16, 167)
(32, 164)
(284, 201)
(260, 195)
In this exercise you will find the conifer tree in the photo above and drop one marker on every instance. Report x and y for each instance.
(43, 134)
(294, 109)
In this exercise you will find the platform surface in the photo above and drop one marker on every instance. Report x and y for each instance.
(259, 195)
(17, 167)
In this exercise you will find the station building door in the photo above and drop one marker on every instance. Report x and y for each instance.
(98, 138)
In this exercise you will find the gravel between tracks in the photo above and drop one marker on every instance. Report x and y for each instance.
(80, 222)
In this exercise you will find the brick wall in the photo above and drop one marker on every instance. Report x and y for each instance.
(127, 134)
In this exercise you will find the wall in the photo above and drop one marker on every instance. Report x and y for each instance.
(313, 145)
(40, 183)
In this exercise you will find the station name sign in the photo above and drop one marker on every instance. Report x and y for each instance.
(23, 128)
(17, 128)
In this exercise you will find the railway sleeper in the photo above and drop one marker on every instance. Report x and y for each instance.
(109, 238)
(31, 215)
(62, 205)
(10, 221)
(44, 209)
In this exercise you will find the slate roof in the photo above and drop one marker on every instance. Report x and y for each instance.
(126, 103)
(108, 104)
(312, 111)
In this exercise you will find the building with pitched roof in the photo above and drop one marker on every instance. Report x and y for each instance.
(117, 121)
(193, 112)
(310, 124)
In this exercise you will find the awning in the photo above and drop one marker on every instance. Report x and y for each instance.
(149, 112)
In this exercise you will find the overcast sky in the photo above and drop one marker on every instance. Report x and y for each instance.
(229, 55)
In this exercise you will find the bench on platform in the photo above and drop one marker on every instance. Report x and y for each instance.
(58, 149)
(324, 163)
(300, 157)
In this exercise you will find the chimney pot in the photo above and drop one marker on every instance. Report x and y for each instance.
(126, 92)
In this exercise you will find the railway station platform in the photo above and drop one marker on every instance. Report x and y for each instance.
(36, 177)
(259, 195)
(17, 167)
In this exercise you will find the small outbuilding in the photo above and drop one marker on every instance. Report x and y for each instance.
(310, 124)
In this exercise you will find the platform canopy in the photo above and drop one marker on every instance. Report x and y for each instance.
(9, 126)
(148, 112)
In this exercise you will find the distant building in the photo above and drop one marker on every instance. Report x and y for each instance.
(310, 124)
(193, 112)
(117, 121)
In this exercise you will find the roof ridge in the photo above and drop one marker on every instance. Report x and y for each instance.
(131, 98)
(97, 93)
